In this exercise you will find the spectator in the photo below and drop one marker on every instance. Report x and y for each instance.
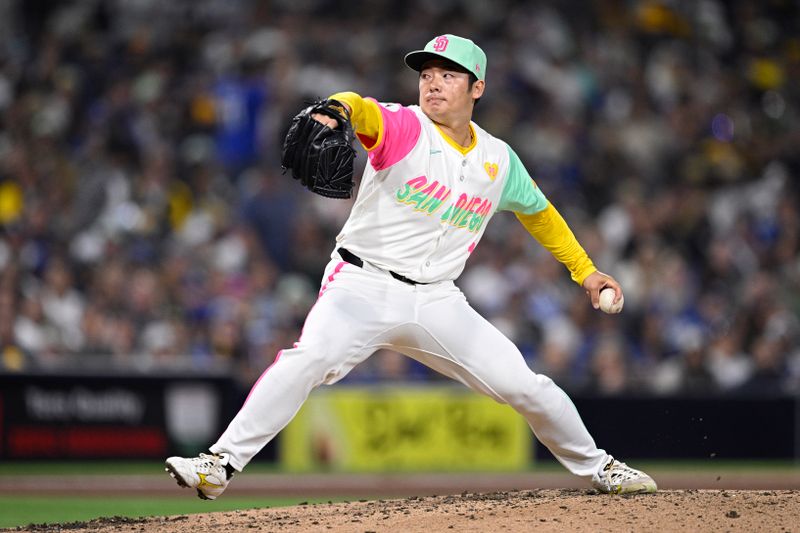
(144, 219)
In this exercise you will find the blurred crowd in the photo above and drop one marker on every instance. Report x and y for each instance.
(145, 224)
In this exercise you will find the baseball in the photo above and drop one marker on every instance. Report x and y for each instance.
(607, 304)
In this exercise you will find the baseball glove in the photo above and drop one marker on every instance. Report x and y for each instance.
(321, 158)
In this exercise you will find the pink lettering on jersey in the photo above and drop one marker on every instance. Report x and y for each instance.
(469, 213)
(440, 44)
(425, 197)
(401, 130)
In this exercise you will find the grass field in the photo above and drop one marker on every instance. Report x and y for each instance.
(34, 509)
(117, 468)
(114, 468)
(24, 509)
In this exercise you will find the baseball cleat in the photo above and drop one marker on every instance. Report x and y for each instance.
(618, 478)
(205, 473)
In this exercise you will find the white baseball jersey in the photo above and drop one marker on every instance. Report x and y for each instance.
(424, 203)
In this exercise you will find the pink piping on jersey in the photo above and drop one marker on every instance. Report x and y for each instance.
(330, 278)
(322, 290)
(401, 130)
(264, 373)
(278, 356)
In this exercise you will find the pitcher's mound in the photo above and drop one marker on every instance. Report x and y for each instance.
(538, 510)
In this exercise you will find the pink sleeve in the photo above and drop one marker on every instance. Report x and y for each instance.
(399, 133)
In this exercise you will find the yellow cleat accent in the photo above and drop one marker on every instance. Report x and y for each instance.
(206, 483)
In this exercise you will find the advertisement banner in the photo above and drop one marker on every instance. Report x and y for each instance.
(405, 429)
(92, 417)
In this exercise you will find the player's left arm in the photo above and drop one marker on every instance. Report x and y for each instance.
(543, 221)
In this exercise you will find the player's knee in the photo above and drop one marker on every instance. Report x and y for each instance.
(530, 393)
(318, 358)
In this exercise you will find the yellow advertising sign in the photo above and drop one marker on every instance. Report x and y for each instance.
(405, 429)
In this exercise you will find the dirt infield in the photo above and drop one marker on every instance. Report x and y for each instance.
(546, 510)
(720, 500)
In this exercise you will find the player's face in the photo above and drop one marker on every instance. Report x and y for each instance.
(444, 91)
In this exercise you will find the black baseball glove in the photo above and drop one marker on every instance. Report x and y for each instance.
(321, 158)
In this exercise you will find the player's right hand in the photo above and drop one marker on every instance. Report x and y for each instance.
(596, 282)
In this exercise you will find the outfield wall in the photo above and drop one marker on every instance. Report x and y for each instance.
(110, 416)
(145, 417)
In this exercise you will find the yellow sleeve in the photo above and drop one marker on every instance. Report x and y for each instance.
(365, 115)
(550, 229)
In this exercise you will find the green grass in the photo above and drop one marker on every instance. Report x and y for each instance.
(95, 468)
(24, 510)
(157, 468)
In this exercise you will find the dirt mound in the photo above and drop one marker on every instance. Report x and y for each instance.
(542, 510)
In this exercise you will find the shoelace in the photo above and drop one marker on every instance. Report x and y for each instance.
(620, 472)
(205, 461)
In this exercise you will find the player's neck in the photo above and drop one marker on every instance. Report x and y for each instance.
(458, 131)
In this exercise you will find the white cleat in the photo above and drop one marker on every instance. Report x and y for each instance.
(205, 473)
(618, 478)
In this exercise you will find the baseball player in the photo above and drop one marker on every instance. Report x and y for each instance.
(433, 181)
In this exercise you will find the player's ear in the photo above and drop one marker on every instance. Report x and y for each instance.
(477, 89)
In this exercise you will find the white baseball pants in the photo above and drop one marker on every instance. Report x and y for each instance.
(361, 310)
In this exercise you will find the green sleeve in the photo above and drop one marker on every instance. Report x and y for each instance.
(520, 192)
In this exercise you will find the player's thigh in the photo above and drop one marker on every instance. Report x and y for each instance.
(459, 333)
(349, 313)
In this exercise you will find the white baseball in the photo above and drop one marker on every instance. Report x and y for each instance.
(607, 304)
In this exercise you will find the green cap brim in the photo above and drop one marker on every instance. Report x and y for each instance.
(416, 59)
